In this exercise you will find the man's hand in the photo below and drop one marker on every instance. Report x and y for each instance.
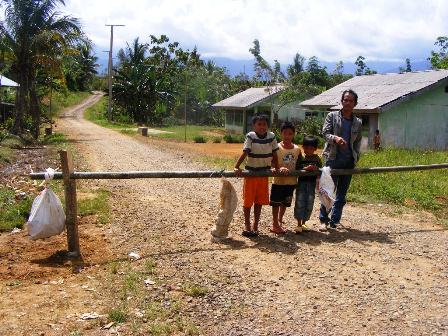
(339, 141)
(237, 171)
(311, 168)
(284, 170)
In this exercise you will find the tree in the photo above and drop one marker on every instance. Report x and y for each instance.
(439, 59)
(407, 67)
(297, 66)
(362, 68)
(34, 32)
(263, 71)
(80, 67)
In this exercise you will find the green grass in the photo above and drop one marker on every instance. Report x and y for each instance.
(7, 155)
(118, 315)
(218, 162)
(195, 290)
(97, 205)
(54, 139)
(425, 190)
(13, 213)
(193, 131)
(97, 114)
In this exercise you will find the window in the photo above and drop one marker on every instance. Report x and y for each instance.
(229, 117)
(239, 118)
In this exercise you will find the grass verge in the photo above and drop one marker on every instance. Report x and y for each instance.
(13, 212)
(97, 205)
(425, 190)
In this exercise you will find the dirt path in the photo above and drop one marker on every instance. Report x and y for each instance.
(385, 275)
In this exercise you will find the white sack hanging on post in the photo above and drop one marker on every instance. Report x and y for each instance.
(229, 202)
(326, 189)
(47, 216)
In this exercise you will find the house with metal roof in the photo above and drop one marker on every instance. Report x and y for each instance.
(410, 109)
(241, 107)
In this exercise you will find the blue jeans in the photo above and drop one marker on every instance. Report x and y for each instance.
(342, 183)
(304, 200)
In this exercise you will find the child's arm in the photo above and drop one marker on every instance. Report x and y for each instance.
(275, 161)
(237, 168)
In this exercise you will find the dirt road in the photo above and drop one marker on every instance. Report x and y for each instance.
(385, 274)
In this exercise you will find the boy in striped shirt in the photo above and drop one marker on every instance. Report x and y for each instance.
(260, 148)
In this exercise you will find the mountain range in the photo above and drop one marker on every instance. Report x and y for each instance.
(235, 67)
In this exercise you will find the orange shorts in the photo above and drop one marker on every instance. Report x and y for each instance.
(255, 191)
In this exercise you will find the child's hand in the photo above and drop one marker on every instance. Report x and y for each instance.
(284, 170)
(274, 170)
(311, 168)
(237, 171)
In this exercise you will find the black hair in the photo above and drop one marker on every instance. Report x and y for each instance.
(260, 117)
(287, 125)
(377, 131)
(353, 93)
(310, 140)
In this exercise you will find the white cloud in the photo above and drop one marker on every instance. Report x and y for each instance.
(331, 30)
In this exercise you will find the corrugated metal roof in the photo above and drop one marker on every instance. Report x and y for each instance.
(375, 91)
(4, 81)
(249, 97)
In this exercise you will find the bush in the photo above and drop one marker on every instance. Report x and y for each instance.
(216, 140)
(199, 139)
(229, 138)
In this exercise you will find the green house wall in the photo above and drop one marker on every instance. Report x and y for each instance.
(420, 122)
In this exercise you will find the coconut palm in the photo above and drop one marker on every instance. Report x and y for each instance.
(36, 34)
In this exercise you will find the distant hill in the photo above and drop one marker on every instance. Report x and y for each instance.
(235, 67)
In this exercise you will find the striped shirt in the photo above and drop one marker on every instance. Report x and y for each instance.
(259, 150)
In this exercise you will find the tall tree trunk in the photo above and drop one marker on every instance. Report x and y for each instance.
(20, 105)
(35, 110)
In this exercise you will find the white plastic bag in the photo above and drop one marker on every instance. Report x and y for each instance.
(47, 216)
(229, 202)
(326, 189)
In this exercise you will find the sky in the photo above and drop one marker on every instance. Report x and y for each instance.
(332, 30)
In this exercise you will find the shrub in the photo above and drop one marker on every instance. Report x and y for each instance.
(216, 140)
(199, 139)
(229, 138)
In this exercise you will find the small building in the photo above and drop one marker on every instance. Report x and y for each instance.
(241, 107)
(410, 109)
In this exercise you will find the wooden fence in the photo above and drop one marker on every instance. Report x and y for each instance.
(70, 176)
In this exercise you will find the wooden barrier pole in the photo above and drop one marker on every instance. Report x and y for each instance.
(217, 173)
(71, 212)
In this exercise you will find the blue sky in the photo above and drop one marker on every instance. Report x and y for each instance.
(380, 30)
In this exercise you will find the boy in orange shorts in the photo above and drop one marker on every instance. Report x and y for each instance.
(260, 148)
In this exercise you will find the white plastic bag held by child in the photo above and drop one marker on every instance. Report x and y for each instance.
(326, 189)
(47, 216)
(229, 201)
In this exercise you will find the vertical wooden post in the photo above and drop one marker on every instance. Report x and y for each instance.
(71, 211)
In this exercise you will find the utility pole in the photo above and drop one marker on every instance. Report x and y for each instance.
(109, 69)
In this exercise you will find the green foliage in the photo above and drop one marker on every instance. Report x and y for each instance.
(55, 138)
(216, 140)
(13, 212)
(231, 138)
(36, 35)
(439, 59)
(362, 68)
(195, 290)
(118, 315)
(419, 189)
(97, 205)
(199, 139)
(79, 67)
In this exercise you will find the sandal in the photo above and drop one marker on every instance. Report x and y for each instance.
(278, 231)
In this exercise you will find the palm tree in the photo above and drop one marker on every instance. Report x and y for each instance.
(35, 33)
